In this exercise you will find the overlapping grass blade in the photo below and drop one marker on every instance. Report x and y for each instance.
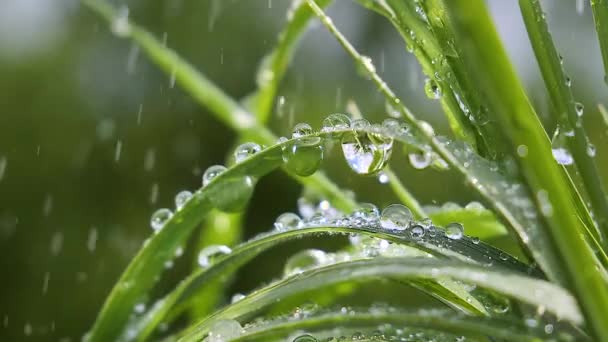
(600, 16)
(525, 289)
(505, 195)
(366, 321)
(562, 100)
(567, 251)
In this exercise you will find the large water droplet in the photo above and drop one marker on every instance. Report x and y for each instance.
(304, 156)
(287, 221)
(366, 153)
(420, 159)
(234, 193)
(396, 216)
(432, 89)
(301, 130)
(454, 231)
(245, 151)
(367, 213)
(206, 255)
(304, 260)
(159, 218)
(212, 172)
(336, 121)
(224, 331)
(417, 232)
(360, 124)
(181, 198)
(559, 148)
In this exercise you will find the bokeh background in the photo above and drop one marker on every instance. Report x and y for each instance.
(94, 138)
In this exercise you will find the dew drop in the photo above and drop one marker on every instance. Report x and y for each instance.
(474, 206)
(427, 128)
(181, 198)
(237, 297)
(234, 193)
(420, 159)
(426, 222)
(579, 108)
(159, 218)
(591, 150)
(391, 110)
(366, 153)
(432, 89)
(366, 213)
(396, 216)
(417, 232)
(212, 172)
(206, 255)
(336, 121)
(245, 151)
(360, 124)
(454, 231)
(305, 338)
(301, 130)
(559, 148)
(224, 331)
(120, 24)
(304, 260)
(287, 221)
(383, 178)
(304, 156)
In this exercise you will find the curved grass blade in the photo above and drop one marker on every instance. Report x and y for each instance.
(488, 64)
(367, 320)
(525, 289)
(600, 16)
(560, 92)
(273, 65)
(506, 196)
(177, 301)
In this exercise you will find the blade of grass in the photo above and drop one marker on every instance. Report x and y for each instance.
(495, 188)
(563, 101)
(488, 64)
(367, 320)
(177, 300)
(600, 16)
(528, 290)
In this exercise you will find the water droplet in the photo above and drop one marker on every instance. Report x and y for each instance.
(360, 124)
(417, 232)
(336, 121)
(287, 221)
(579, 108)
(237, 297)
(301, 130)
(245, 151)
(420, 159)
(396, 216)
(426, 222)
(559, 148)
(475, 240)
(212, 172)
(304, 156)
(366, 153)
(522, 150)
(281, 140)
(140, 308)
(366, 213)
(159, 218)
(368, 64)
(305, 338)
(474, 206)
(549, 327)
(383, 178)
(304, 260)
(454, 231)
(591, 150)
(181, 198)
(206, 255)
(234, 193)
(427, 128)
(391, 110)
(432, 89)
(224, 331)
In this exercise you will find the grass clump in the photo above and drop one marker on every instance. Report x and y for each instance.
(500, 149)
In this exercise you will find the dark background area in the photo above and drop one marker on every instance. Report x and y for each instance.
(73, 212)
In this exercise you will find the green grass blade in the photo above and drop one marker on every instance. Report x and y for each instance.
(463, 249)
(600, 16)
(563, 101)
(488, 64)
(275, 64)
(505, 195)
(367, 320)
(525, 289)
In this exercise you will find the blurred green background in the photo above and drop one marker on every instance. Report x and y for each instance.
(94, 138)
